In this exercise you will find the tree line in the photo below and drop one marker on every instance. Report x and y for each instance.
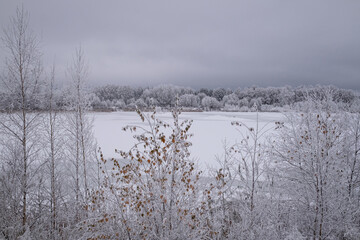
(126, 98)
(296, 179)
(113, 97)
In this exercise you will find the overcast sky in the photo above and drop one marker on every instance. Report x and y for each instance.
(201, 43)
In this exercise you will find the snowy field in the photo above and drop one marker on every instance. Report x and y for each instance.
(210, 130)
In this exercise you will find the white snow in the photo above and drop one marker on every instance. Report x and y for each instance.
(210, 129)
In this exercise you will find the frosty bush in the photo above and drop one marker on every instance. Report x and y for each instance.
(154, 185)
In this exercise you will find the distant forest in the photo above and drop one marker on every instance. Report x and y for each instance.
(268, 99)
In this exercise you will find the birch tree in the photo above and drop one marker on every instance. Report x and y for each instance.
(21, 83)
(53, 141)
(80, 146)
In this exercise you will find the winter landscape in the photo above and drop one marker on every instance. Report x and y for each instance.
(168, 120)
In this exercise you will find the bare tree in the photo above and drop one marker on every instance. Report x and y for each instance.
(317, 165)
(220, 196)
(52, 119)
(81, 145)
(54, 142)
(21, 83)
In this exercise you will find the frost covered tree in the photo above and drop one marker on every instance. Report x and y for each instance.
(210, 103)
(239, 199)
(219, 93)
(231, 101)
(53, 140)
(164, 94)
(251, 158)
(315, 157)
(19, 125)
(189, 100)
(249, 171)
(351, 150)
(80, 144)
(220, 212)
(255, 104)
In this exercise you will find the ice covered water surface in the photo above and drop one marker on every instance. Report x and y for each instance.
(210, 130)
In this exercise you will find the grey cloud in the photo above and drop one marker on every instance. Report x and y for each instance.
(205, 42)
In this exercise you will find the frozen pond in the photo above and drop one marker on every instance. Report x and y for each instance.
(210, 130)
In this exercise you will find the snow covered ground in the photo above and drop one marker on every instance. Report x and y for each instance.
(210, 130)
